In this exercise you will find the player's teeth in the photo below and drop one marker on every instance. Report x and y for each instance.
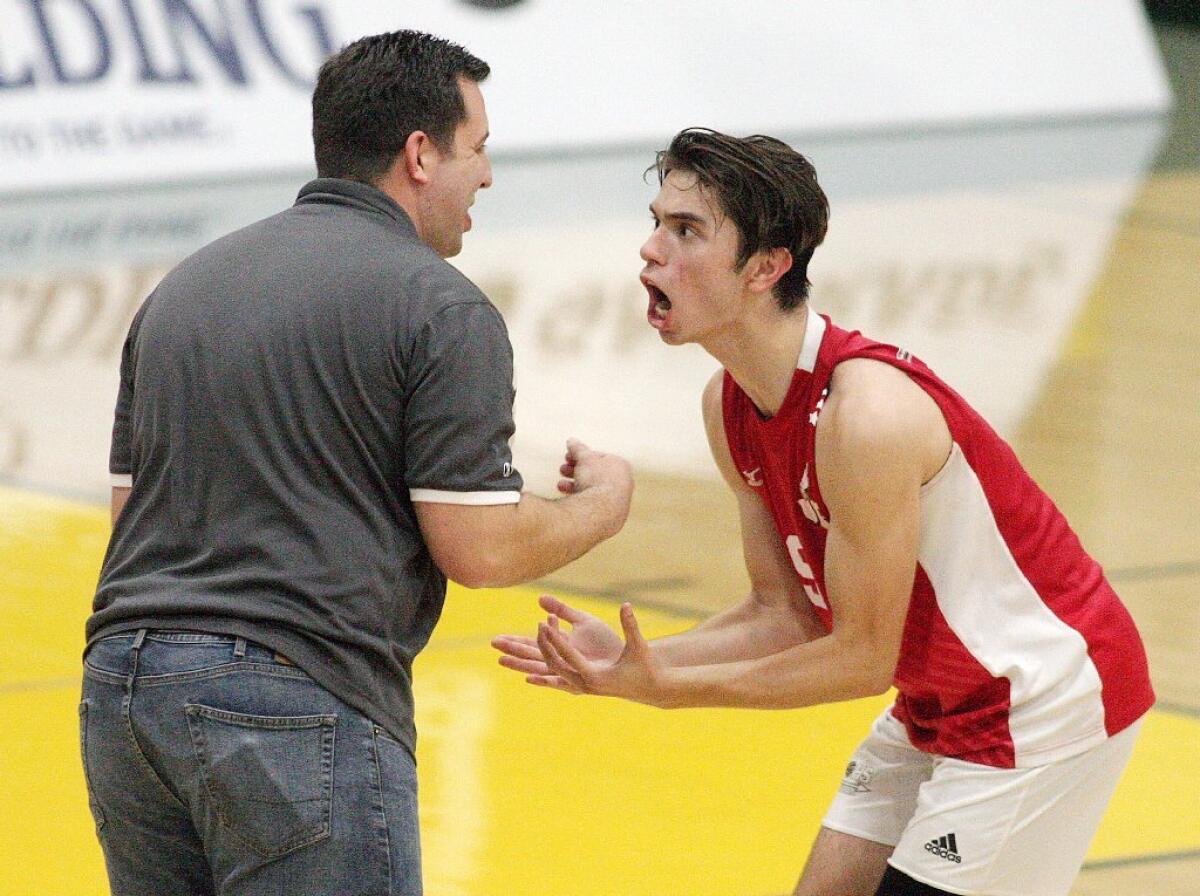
(662, 307)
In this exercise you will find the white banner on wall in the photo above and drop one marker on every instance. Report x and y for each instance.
(102, 92)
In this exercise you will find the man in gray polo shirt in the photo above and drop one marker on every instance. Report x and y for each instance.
(311, 435)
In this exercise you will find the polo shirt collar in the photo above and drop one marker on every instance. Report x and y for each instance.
(336, 191)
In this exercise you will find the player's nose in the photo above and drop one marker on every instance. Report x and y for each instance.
(652, 249)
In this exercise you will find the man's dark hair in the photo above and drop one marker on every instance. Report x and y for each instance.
(375, 92)
(768, 189)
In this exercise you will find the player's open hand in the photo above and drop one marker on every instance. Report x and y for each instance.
(636, 674)
(588, 634)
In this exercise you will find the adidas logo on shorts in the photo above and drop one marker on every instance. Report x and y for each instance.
(946, 847)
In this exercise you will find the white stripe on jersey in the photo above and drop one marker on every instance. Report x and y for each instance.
(814, 332)
(995, 612)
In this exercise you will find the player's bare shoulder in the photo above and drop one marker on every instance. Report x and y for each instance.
(875, 410)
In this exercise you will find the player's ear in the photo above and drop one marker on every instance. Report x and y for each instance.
(765, 268)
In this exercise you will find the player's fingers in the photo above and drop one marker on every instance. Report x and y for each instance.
(552, 604)
(629, 624)
(523, 648)
(575, 660)
(550, 653)
(553, 644)
(566, 486)
(514, 639)
(529, 667)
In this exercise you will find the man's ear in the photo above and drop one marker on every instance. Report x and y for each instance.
(766, 267)
(418, 156)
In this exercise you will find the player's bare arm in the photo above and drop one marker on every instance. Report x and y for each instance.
(774, 616)
(496, 546)
(880, 438)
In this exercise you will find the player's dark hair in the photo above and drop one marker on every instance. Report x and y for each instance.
(375, 92)
(767, 188)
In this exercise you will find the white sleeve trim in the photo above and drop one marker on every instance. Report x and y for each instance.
(122, 480)
(478, 499)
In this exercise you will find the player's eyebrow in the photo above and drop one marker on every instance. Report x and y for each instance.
(679, 217)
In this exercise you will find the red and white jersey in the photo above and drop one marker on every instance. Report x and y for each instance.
(1016, 650)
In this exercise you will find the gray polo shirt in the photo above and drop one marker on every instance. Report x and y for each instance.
(286, 393)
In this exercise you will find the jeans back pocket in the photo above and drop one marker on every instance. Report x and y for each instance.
(269, 779)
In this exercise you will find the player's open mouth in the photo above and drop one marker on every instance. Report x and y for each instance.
(659, 306)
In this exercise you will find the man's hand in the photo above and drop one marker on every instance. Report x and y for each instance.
(584, 469)
(589, 635)
(493, 546)
(636, 674)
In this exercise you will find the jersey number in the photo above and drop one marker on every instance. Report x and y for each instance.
(807, 579)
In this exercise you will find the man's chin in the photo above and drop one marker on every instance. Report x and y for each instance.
(449, 251)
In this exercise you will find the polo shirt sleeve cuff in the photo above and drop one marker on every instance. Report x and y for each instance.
(477, 499)
(122, 480)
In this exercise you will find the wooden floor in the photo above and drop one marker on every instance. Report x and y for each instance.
(525, 791)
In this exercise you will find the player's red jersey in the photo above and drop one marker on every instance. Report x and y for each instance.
(1016, 650)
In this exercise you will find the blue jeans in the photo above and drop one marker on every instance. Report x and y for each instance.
(214, 767)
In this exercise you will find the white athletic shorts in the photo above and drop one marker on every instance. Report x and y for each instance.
(973, 829)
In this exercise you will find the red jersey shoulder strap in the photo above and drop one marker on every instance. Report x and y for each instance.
(733, 411)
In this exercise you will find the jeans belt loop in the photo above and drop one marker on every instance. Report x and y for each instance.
(134, 651)
(239, 648)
